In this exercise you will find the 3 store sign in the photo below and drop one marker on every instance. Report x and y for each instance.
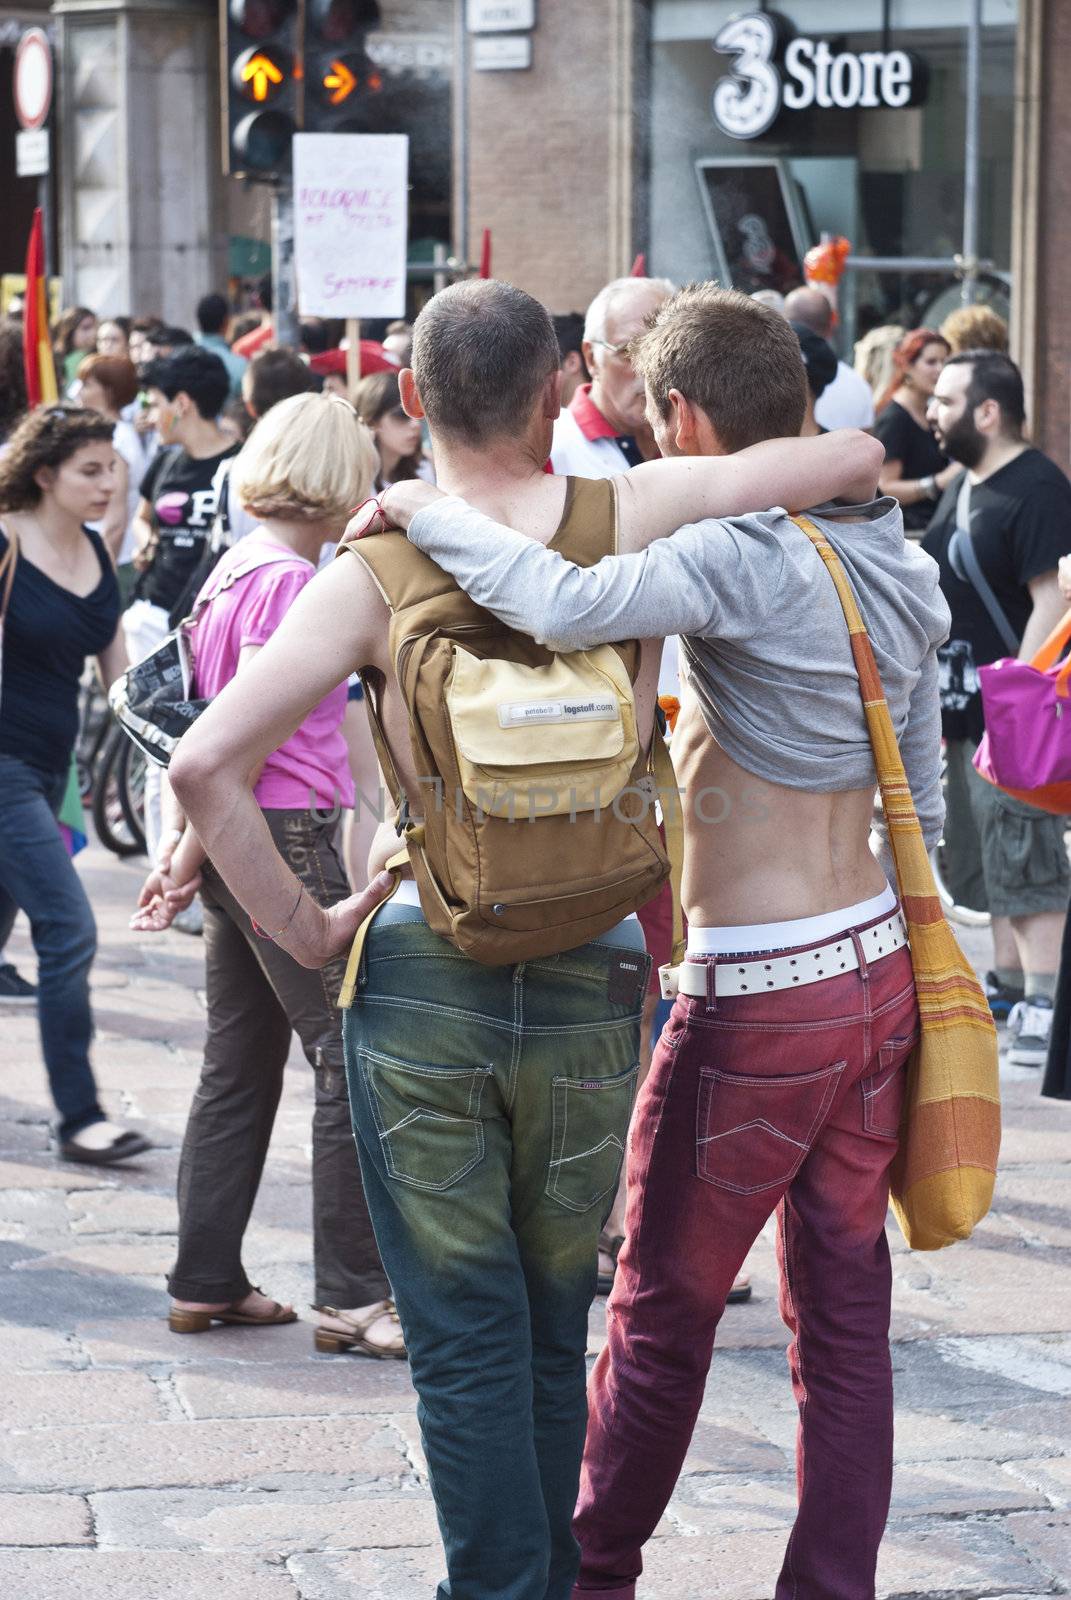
(769, 74)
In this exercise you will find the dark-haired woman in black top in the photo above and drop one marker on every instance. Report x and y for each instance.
(57, 473)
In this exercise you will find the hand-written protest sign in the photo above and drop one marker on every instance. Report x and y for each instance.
(350, 223)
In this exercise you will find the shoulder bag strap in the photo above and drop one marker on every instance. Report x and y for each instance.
(913, 871)
(963, 559)
(265, 558)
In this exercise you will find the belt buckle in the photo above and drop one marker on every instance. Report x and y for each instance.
(668, 982)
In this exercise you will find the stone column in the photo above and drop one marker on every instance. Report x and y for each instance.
(1041, 223)
(141, 191)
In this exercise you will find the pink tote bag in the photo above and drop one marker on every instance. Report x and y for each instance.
(1026, 747)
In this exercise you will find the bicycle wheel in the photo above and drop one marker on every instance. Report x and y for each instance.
(113, 830)
(131, 782)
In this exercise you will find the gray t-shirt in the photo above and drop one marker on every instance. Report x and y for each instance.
(763, 635)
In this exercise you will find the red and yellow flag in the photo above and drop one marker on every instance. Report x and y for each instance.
(41, 386)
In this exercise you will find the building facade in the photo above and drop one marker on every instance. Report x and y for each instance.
(717, 141)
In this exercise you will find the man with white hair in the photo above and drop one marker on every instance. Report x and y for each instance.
(604, 431)
(848, 401)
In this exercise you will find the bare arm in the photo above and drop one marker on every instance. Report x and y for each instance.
(338, 622)
(909, 491)
(113, 659)
(1049, 608)
(657, 498)
(143, 531)
(687, 584)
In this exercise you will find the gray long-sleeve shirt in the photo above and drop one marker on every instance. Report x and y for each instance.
(764, 636)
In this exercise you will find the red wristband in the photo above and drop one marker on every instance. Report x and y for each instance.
(377, 514)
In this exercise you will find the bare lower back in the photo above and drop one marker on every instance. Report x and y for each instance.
(759, 852)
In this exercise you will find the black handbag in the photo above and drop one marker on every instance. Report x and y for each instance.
(152, 700)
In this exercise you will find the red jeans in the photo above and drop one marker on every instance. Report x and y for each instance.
(792, 1101)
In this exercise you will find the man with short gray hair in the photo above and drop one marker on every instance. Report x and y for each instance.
(604, 430)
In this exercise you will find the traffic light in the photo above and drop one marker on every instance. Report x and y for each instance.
(261, 68)
(342, 82)
(275, 82)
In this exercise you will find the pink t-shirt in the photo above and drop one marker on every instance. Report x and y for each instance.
(312, 767)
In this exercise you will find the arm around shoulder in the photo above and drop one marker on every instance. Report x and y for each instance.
(657, 498)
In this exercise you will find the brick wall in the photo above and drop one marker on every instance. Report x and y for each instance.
(551, 156)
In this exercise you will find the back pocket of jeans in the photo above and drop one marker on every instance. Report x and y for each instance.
(427, 1118)
(753, 1133)
(884, 1090)
(591, 1117)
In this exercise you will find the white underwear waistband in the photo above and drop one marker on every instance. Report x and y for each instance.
(787, 935)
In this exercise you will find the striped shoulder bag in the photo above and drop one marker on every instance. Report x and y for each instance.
(945, 1169)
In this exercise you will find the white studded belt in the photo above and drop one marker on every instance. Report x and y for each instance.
(759, 976)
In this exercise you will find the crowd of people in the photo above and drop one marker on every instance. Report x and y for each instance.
(652, 470)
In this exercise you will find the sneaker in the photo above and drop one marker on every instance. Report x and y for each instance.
(1029, 1026)
(1001, 1000)
(14, 988)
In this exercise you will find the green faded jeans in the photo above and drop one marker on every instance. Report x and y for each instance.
(491, 1107)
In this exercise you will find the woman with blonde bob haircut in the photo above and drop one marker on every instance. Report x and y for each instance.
(305, 464)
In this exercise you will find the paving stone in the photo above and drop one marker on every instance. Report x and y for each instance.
(731, 1566)
(44, 1519)
(707, 1504)
(32, 1349)
(964, 1558)
(1041, 1364)
(32, 1212)
(731, 1444)
(147, 1340)
(135, 1575)
(955, 1488)
(121, 1211)
(929, 1436)
(1048, 1477)
(197, 1454)
(291, 1520)
(1045, 1539)
(66, 1399)
(282, 1523)
(46, 1173)
(369, 1575)
(126, 1259)
(349, 1386)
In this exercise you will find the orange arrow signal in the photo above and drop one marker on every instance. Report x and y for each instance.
(341, 82)
(261, 71)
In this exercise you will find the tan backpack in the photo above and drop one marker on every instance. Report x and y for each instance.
(539, 829)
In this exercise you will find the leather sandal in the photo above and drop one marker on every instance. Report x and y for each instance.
(740, 1293)
(180, 1320)
(335, 1341)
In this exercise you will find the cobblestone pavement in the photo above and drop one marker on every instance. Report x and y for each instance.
(137, 1465)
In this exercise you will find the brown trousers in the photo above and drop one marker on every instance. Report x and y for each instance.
(257, 997)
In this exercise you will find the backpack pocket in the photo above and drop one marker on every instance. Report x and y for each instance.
(542, 741)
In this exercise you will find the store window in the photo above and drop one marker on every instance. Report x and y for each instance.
(826, 129)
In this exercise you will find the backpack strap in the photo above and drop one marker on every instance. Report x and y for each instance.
(212, 590)
(673, 825)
